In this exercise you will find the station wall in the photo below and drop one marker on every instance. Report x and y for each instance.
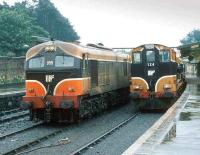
(12, 70)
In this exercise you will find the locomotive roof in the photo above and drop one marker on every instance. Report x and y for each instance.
(151, 46)
(77, 50)
(159, 47)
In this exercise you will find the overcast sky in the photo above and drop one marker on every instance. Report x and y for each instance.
(130, 23)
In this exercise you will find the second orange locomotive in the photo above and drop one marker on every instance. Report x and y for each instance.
(156, 72)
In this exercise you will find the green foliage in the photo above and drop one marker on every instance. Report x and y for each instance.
(190, 57)
(192, 37)
(29, 18)
(51, 20)
(16, 29)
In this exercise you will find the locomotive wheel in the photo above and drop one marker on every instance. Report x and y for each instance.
(104, 104)
(84, 108)
(76, 117)
(30, 114)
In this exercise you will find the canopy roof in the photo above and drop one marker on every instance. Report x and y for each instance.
(192, 49)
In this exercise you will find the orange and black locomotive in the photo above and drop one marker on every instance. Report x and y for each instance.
(156, 72)
(66, 81)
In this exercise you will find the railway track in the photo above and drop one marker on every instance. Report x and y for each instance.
(46, 138)
(103, 136)
(3, 113)
(20, 131)
(17, 115)
(20, 149)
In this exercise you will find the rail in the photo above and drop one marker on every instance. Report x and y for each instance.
(94, 141)
(16, 116)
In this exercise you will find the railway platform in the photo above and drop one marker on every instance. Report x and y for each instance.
(187, 138)
(12, 91)
(10, 97)
(177, 131)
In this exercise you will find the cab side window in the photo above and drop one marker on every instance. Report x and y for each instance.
(137, 58)
(164, 56)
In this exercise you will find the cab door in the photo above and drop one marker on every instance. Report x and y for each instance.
(85, 67)
(151, 66)
(85, 74)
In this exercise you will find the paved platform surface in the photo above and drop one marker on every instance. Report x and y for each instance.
(187, 140)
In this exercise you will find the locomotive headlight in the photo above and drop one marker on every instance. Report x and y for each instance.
(47, 48)
(50, 48)
(167, 86)
(31, 90)
(71, 89)
(137, 87)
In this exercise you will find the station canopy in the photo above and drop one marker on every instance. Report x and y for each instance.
(192, 51)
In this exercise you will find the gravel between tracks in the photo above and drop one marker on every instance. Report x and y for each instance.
(84, 132)
(120, 140)
(20, 139)
(14, 125)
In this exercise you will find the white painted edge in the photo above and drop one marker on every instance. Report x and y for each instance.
(142, 139)
(71, 79)
(38, 83)
(167, 76)
(135, 78)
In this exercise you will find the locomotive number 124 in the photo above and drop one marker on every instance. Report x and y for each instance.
(150, 64)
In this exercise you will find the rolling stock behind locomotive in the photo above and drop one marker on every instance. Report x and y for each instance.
(156, 73)
(66, 81)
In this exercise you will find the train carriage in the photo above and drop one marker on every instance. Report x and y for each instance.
(156, 73)
(67, 81)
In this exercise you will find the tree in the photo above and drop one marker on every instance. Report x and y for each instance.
(52, 21)
(29, 18)
(190, 47)
(192, 37)
(16, 29)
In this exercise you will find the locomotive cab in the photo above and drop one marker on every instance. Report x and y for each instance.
(153, 72)
(51, 67)
(54, 79)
